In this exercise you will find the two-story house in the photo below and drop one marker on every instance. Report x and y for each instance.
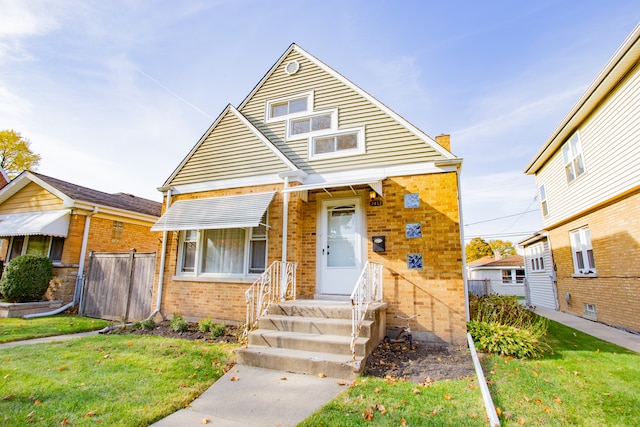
(589, 188)
(312, 170)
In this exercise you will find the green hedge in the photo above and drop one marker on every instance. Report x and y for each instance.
(26, 278)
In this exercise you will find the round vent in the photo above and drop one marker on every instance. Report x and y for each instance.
(292, 67)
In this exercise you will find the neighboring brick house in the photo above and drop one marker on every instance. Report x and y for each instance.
(505, 275)
(310, 168)
(64, 221)
(589, 186)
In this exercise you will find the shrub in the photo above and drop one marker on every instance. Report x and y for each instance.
(178, 324)
(26, 278)
(205, 325)
(148, 324)
(217, 330)
(501, 325)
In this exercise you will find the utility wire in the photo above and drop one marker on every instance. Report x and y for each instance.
(501, 217)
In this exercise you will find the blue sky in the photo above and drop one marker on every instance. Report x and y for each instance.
(113, 94)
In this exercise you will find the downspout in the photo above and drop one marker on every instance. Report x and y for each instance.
(464, 251)
(79, 278)
(285, 221)
(163, 257)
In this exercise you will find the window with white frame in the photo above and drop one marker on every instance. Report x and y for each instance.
(305, 126)
(572, 156)
(582, 251)
(340, 144)
(228, 252)
(536, 257)
(294, 106)
(543, 201)
(48, 246)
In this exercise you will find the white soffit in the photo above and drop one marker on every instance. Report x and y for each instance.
(47, 223)
(240, 211)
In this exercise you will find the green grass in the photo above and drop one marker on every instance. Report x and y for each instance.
(584, 381)
(16, 329)
(109, 380)
(399, 403)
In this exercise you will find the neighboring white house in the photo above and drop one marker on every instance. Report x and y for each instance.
(505, 276)
(540, 272)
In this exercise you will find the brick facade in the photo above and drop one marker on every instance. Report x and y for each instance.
(615, 237)
(435, 292)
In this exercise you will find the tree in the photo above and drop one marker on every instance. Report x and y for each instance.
(477, 248)
(15, 154)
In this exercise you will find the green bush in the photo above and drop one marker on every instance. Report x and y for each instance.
(148, 324)
(501, 325)
(217, 330)
(26, 278)
(178, 324)
(205, 325)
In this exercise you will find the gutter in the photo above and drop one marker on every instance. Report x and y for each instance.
(163, 257)
(77, 292)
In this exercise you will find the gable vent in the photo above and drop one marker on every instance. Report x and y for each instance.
(292, 67)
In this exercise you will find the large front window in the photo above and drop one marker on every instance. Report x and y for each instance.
(228, 252)
(37, 245)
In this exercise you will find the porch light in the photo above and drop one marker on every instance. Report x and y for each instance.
(374, 198)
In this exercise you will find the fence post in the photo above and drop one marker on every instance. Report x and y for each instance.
(84, 284)
(127, 294)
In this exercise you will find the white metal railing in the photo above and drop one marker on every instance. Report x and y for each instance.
(367, 290)
(277, 283)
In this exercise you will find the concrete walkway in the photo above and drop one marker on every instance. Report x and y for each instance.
(248, 396)
(47, 339)
(599, 330)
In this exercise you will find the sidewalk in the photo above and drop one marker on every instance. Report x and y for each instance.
(599, 330)
(47, 339)
(248, 396)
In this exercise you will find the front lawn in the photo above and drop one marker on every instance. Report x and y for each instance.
(584, 381)
(17, 329)
(113, 380)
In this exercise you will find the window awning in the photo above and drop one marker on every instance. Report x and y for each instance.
(241, 211)
(46, 223)
(375, 182)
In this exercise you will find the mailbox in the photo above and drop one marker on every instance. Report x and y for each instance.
(378, 243)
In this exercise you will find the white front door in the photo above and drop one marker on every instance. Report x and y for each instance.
(340, 245)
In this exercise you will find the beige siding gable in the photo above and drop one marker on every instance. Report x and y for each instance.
(231, 149)
(389, 140)
(31, 198)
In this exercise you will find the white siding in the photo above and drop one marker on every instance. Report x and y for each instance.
(611, 151)
(541, 286)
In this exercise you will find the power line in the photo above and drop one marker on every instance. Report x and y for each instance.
(502, 217)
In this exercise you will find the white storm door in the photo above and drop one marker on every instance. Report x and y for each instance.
(340, 246)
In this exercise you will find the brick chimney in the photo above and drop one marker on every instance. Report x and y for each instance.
(497, 255)
(444, 140)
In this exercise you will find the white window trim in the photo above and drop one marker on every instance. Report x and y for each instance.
(267, 114)
(587, 271)
(307, 135)
(341, 153)
(543, 200)
(198, 273)
(536, 252)
(567, 143)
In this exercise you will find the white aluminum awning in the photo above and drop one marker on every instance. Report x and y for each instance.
(375, 182)
(240, 211)
(46, 223)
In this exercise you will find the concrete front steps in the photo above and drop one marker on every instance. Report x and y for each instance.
(313, 337)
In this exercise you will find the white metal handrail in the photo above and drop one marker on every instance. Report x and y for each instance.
(367, 290)
(277, 283)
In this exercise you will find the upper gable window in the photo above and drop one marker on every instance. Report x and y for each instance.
(543, 201)
(341, 144)
(318, 123)
(281, 109)
(572, 156)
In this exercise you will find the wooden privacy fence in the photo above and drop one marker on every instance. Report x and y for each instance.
(118, 286)
(479, 287)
